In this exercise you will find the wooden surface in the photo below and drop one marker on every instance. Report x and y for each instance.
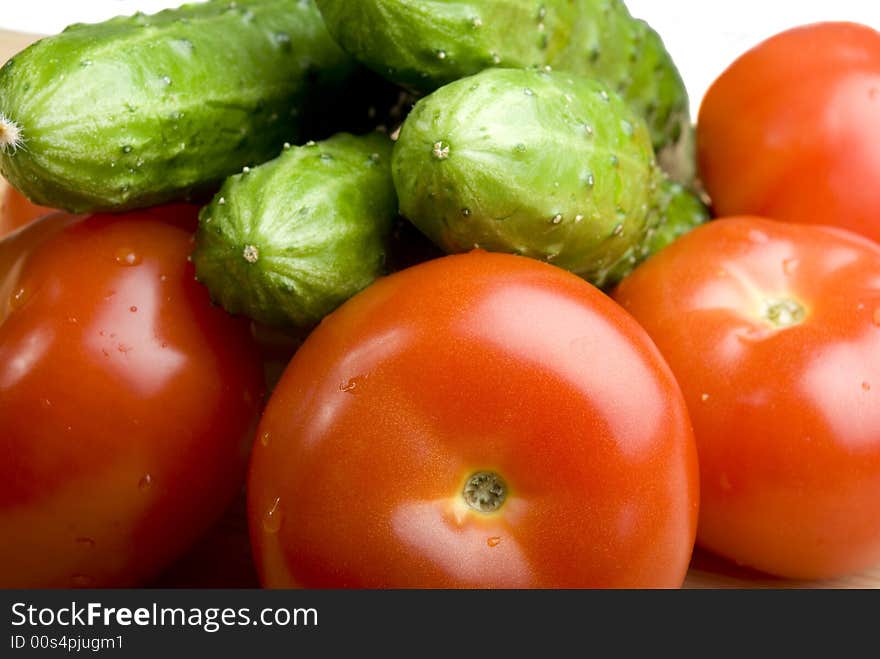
(222, 557)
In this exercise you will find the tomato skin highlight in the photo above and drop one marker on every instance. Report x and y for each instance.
(127, 401)
(791, 130)
(786, 414)
(475, 363)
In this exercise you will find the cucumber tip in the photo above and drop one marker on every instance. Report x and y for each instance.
(10, 135)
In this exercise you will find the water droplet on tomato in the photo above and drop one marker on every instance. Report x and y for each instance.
(126, 256)
(351, 386)
(146, 482)
(86, 543)
(272, 518)
(265, 438)
(704, 397)
(758, 236)
(494, 541)
(46, 403)
(866, 386)
(18, 299)
(133, 309)
(81, 581)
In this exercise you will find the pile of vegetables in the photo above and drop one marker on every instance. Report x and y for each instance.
(435, 282)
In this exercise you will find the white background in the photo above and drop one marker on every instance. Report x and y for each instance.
(703, 36)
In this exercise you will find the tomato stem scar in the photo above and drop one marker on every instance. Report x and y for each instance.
(785, 312)
(485, 491)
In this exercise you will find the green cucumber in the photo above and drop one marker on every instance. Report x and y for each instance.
(426, 44)
(285, 243)
(679, 210)
(548, 165)
(140, 110)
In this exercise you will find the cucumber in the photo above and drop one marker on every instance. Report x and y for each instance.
(285, 243)
(140, 110)
(548, 165)
(426, 44)
(680, 210)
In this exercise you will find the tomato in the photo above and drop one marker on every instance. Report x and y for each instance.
(16, 210)
(127, 400)
(773, 332)
(480, 420)
(791, 130)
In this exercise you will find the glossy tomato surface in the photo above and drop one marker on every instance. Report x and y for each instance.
(16, 210)
(127, 401)
(481, 420)
(791, 130)
(773, 331)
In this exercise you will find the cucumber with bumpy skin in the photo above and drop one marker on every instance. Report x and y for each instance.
(679, 210)
(285, 243)
(139, 110)
(547, 165)
(426, 44)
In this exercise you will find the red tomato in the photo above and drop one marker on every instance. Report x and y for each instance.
(16, 210)
(127, 401)
(773, 331)
(791, 130)
(481, 420)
